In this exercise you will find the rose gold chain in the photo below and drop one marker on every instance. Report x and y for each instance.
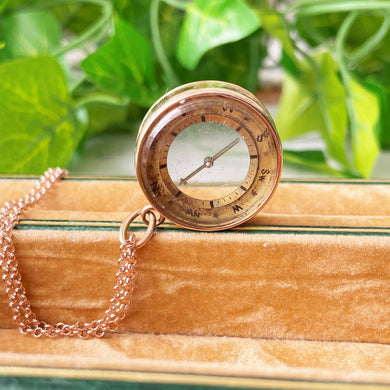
(20, 306)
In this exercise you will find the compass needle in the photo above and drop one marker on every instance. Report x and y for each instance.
(209, 161)
(225, 149)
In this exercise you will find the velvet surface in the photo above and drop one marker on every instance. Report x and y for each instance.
(300, 291)
(221, 356)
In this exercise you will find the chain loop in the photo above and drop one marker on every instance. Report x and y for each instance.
(20, 306)
(146, 211)
(148, 214)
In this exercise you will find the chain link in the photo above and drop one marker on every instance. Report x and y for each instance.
(20, 306)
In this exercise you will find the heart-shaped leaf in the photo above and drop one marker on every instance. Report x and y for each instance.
(29, 33)
(124, 64)
(211, 23)
(38, 126)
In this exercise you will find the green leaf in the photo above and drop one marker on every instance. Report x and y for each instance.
(3, 4)
(290, 65)
(298, 111)
(274, 23)
(124, 64)
(319, 28)
(77, 16)
(38, 127)
(103, 116)
(383, 134)
(332, 98)
(134, 12)
(314, 160)
(211, 23)
(316, 101)
(364, 116)
(170, 21)
(236, 62)
(32, 33)
(28, 34)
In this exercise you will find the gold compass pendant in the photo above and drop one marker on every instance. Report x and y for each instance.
(208, 156)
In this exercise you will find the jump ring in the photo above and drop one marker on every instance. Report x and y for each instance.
(146, 211)
(149, 231)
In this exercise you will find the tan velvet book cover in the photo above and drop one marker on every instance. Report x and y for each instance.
(299, 292)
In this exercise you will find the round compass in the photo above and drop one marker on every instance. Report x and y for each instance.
(208, 156)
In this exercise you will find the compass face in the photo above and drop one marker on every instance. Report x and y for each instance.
(219, 160)
(208, 156)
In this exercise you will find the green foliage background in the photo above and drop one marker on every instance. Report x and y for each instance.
(335, 59)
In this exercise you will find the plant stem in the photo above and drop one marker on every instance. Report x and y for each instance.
(371, 43)
(102, 98)
(317, 36)
(88, 34)
(158, 47)
(311, 8)
(316, 7)
(340, 40)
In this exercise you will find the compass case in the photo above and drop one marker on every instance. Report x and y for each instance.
(299, 297)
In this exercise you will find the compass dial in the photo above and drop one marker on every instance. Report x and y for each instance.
(208, 156)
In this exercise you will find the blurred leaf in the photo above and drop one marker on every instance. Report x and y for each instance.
(290, 65)
(361, 32)
(170, 21)
(314, 160)
(274, 23)
(298, 110)
(102, 116)
(316, 29)
(124, 64)
(38, 127)
(315, 102)
(29, 33)
(364, 114)
(383, 133)
(134, 12)
(236, 62)
(77, 16)
(32, 33)
(332, 98)
(73, 16)
(3, 4)
(320, 29)
(211, 23)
